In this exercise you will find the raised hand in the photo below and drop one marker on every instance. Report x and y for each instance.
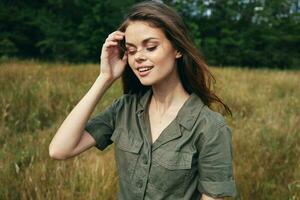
(111, 65)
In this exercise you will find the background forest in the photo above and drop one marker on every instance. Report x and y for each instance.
(252, 33)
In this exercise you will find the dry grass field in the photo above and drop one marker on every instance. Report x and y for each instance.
(35, 98)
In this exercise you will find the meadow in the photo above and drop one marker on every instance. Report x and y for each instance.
(35, 98)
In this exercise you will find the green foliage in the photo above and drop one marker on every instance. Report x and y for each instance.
(245, 33)
(237, 32)
(7, 47)
(58, 30)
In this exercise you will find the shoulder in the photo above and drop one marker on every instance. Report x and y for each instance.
(125, 100)
(212, 118)
(210, 124)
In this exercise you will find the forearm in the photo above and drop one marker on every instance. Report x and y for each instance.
(69, 133)
(205, 197)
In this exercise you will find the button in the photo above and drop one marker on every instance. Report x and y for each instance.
(145, 160)
(139, 183)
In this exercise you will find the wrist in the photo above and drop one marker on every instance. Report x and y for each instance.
(105, 79)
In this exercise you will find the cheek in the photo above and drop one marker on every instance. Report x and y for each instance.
(167, 61)
(131, 62)
(164, 56)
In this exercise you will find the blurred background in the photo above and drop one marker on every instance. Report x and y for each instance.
(49, 58)
(250, 33)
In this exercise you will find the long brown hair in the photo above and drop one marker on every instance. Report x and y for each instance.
(192, 69)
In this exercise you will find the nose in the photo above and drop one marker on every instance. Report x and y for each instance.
(140, 56)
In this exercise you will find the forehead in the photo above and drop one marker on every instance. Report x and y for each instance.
(137, 31)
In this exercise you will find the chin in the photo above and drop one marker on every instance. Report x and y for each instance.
(146, 83)
(149, 82)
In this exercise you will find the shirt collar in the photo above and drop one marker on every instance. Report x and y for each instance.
(187, 114)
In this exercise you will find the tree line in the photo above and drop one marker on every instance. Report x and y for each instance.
(251, 33)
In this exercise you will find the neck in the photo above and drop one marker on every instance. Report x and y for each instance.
(168, 96)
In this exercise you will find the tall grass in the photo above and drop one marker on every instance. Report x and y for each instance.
(35, 98)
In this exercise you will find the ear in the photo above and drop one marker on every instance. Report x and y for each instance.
(178, 54)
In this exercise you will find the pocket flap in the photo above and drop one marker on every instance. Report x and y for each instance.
(126, 142)
(173, 160)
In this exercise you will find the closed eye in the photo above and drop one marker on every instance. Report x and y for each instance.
(132, 51)
(151, 48)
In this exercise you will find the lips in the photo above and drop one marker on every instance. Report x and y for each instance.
(144, 70)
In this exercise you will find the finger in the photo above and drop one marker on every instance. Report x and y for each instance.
(110, 44)
(115, 33)
(118, 32)
(115, 38)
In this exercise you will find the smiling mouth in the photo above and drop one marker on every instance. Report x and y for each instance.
(144, 69)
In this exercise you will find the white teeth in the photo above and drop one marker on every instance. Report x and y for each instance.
(142, 69)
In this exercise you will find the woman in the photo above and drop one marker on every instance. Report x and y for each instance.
(169, 143)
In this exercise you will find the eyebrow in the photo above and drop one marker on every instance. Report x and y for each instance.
(144, 41)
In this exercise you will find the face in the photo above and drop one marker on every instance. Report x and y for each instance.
(151, 55)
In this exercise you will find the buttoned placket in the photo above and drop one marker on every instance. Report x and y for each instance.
(143, 170)
(183, 119)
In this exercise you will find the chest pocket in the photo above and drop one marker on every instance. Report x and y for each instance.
(127, 151)
(170, 170)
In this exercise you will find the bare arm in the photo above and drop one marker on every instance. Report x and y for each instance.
(71, 138)
(205, 197)
(71, 132)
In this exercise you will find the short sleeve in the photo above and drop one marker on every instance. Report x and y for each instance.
(102, 125)
(215, 163)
